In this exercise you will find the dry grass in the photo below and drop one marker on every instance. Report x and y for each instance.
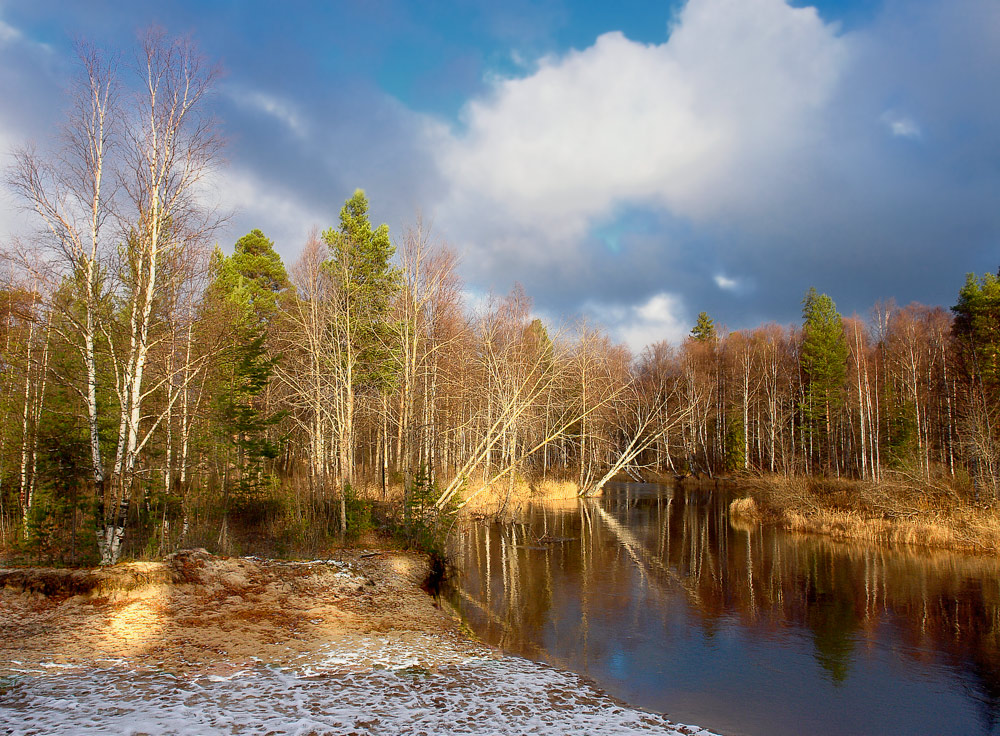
(555, 490)
(55, 582)
(502, 500)
(899, 510)
(744, 508)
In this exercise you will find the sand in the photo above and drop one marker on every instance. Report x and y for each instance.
(206, 645)
(195, 609)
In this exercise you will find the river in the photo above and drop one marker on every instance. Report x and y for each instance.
(662, 600)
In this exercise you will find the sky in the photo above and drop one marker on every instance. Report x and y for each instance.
(633, 163)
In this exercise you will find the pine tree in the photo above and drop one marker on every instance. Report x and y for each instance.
(364, 283)
(977, 327)
(824, 363)
(704, 329)
(360, 266)
(246, 287)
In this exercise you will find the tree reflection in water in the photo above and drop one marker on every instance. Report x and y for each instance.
(655, 593)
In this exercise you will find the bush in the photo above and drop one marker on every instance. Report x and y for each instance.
(424, 527)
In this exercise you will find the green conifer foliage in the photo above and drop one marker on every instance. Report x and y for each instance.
(537, 338)
(704, 329)
(248, 285)
(251, 280)
(977, 328)
(360, 266)
(824, 360)
(735, 441)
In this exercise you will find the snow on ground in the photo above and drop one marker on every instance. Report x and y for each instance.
(376, 684)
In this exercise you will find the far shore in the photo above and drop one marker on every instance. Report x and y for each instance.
(896, 510)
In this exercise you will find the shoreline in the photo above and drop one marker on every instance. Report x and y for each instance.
(204, 644)
(194, 608)
(892, 512)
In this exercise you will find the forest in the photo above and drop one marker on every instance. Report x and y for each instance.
(160, 391)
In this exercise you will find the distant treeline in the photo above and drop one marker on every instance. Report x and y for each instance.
(159, 392)
(911, 388)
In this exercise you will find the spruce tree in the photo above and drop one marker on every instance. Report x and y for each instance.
(824, 363)
(977, 328)
(704, 329)
(246, 288)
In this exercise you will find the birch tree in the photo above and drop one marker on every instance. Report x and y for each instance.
(72, 192)
(170, 145)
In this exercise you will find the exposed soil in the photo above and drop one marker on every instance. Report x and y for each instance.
(195, 610)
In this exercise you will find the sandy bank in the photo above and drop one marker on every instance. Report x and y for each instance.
(195, 609)
(205, 645)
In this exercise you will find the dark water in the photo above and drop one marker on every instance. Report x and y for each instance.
(657, 596)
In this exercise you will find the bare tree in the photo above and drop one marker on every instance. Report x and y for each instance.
(137, 160)
(170, 146)
(73, 198)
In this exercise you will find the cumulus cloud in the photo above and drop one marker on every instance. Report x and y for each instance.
(738, 85)
(754, 151)
(661, 317)
(763, 137)
(725, 283)
(901, 126)
(254, 202)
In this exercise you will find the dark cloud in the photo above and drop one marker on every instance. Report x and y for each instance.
(867, 164)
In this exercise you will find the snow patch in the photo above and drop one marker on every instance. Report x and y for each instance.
(428, 685)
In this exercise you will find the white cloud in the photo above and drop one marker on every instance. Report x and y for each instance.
(11, 36)
(901, 126)
(8, 33)
(15, 222)
(694, 125)
(661, 317)
(725, 283)
(255, 203)
(281, 110)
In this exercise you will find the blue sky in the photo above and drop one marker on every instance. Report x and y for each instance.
(634, 162)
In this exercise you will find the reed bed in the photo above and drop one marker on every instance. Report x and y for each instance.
(899, 509)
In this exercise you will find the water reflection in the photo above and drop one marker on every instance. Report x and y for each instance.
(654, 593)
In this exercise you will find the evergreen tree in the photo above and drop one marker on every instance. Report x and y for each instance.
(360, 266)
(538, 341)
(977, 328)
(735, 444)
(704, 329)
(251, 281)
(364, 283)
(824, 361)
(246, 287)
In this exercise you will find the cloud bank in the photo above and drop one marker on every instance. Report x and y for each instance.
(753, 150)
(772, 144)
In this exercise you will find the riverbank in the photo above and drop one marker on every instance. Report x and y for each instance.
(897, 510)
(203, 644)
(196, 610)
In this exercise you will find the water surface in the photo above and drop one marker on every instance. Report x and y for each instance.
(661, 599)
